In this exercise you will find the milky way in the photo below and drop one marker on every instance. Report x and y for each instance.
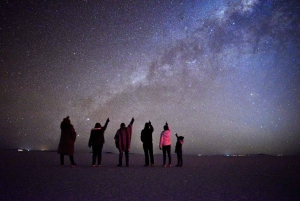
(224, 74)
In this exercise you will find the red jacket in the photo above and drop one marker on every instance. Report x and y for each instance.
(124, 138)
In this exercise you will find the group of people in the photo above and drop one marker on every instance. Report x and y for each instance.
(122, 142)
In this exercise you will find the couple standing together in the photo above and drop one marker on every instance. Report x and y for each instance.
(164, 143)
(122, 140)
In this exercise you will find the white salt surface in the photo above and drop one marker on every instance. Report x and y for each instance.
(38, 176)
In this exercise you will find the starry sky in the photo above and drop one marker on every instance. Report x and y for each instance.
(223, 74)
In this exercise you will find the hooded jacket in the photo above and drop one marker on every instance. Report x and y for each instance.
(165, 138)
(67, 138)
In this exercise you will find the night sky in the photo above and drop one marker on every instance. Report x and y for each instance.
(223, 74)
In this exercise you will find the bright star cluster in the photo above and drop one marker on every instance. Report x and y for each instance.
(224, 74)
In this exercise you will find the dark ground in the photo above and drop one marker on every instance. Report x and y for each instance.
(38, 176)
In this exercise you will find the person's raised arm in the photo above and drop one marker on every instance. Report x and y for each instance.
(151, 127)
(106, 123)
(132, 120)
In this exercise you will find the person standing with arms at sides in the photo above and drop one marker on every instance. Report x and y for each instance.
(67, 140)
(178, 150)
(146, 138)
(123, 137)
(165, 144)
(96, 141)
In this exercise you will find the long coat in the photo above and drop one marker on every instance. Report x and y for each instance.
(124, 138)
(67, 140)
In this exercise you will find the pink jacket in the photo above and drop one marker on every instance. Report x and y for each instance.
(165, 138)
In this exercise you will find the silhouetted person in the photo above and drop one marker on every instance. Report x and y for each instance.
(96, 141)
(123, 137)
(67, 140)
(146, 138)
(165, 144)
(178, 150)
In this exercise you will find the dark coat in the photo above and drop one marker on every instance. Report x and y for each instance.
(146, 135)
(67, 140)
(97, 136)
(179, 143)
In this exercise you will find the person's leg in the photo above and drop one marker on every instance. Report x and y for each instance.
(62, 159)
(169, 153)
(72, 160)
(100, 154)
(178, 159)
(151, 154)
(181, 162)
(145, 147)
(94, 155)
(127, 158)
(120, 158)
(164, 154)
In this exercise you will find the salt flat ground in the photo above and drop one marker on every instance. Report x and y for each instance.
(38, 176)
